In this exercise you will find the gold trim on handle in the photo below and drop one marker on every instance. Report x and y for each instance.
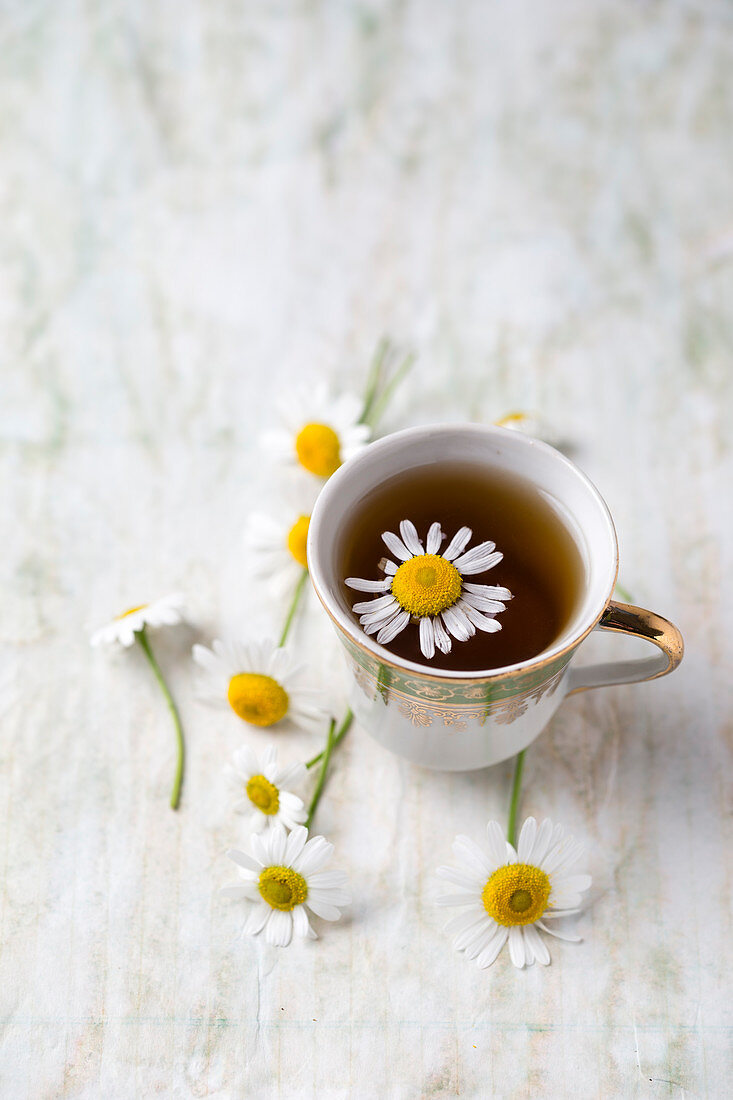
(624, 618)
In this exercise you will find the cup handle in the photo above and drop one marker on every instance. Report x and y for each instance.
(624, 618)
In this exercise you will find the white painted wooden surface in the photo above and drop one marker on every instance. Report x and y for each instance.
(200, 203)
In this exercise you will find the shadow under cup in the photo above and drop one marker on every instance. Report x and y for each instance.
(449, 718)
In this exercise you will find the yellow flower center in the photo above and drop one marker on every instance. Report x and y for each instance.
(318, 449)
(282, 888)
(426, 585)
(297, 538)
(516, 894)
(263, 794)
(131, 611)
(257, 699)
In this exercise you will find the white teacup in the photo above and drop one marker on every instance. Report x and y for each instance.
(463, 720)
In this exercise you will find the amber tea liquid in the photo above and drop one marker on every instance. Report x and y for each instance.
(542, 565)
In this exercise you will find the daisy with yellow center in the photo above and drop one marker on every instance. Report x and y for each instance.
(509, 894)
(260, 683)
(318, 433)
(167, 611)
(283, 877)
(261, 791)
(428, 588)
(277, 544)
(130, 627)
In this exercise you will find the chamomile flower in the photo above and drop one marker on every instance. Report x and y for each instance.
(429, 588)
(509, 893)
(260, 785)
(284, 876)
(318, 433)
(259, 682)
(277, 543)
(167, 611)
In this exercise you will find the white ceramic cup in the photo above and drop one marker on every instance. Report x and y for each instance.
(463, 720)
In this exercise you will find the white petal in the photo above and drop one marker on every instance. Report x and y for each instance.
(323, 880)
(465, 879)
(410, 538)
(388, 567)
(491, 591)
(526, 839)
(571, 884)
(396, 546)
(301, 924)
(457, 543)
(392, 629)
(462, 921)
(533, 942)
(482, 622)
(315, 854)
(367, 607)
(442, 639)
(279, 928)
(496, 843)
(256, 920)
(474, 932)
(427, 638)
(383, 615)
(482, 603)
(542, 839)
(368, 586)
(562, 855)
(330, 895)
(295, 844)
(558, 935)
(516, 946)
(243, 860)
(492, 949)
(467, 849)
(480, 942)
(479, 560)
(463, 898)
(434, 539)
(457, 624)
(322, 909)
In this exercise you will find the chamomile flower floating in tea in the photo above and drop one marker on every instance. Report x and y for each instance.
(260, 785)
(284, 876)
(509, 893)
(428, 587)
(319, 433)
(260, 682)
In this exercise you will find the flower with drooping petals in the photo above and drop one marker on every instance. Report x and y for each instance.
(318, 433)
(167, 611)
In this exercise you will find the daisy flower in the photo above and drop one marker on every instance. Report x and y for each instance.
(318, 432)
(259, 682)
(260, 786)
(131, 627)
(284, 876)
(428, 587)
(167, 611)
(278, 546)
(509, 893)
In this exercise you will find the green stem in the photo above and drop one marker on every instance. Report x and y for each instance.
(343, 730)
(380, 403)
(372, 385)
(322, 774)
(511, 832)
(293, 607)
(177, 782)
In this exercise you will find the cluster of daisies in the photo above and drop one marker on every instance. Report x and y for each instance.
(508, 894)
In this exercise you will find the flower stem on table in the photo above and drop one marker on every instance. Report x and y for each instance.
(342, 731)
(511, 832)
(142, 638)
(293, 607)
(321, 774)
(379, 389)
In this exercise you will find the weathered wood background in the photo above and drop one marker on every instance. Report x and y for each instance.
(200, 204)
